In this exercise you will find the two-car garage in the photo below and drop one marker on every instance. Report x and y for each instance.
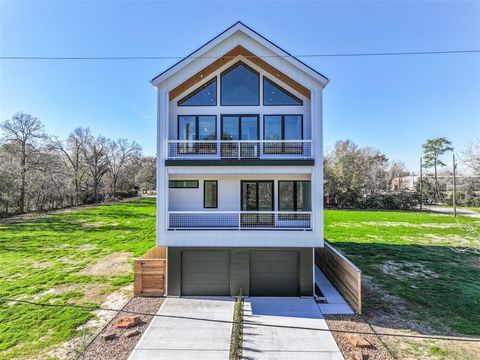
(223, 272)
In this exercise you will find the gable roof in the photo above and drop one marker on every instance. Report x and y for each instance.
(239, 26)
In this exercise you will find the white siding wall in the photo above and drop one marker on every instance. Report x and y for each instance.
(229, 177)
(229, 191)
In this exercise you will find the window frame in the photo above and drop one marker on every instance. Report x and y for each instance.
(240, 116)
(197, 90)
(283, 89)
(216, 194)
(283, 125)
(182, 187)
(197, 133)
(230, 68)
(295, 195)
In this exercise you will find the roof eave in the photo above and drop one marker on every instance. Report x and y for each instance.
(238, 26)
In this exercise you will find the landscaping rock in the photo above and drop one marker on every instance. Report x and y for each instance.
(132, 333)
(358, 341)
(126, 322)
(109, 336)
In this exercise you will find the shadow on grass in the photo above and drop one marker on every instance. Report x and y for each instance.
(429, 289)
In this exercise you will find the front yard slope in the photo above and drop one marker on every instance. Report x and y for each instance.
(73, 257)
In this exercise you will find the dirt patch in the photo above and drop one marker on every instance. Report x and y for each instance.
(121, 347)
(113, 264)
(73, 348)
(394, 224)
(60, 289)
(87, 247)
(405, 269)
(98, 224)
(358, 324)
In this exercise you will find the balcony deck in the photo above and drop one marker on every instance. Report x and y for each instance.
(240, 220)
(239, 149)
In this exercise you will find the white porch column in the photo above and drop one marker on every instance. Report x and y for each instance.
(162, 184)
(317, 177)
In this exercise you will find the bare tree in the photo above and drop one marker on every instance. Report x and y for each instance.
(471, 156)
(72, 151)
(94, 150)
(23, 130)
(120, 154)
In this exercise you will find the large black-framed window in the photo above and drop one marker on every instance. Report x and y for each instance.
(205, 95)
(240, 86)
(283, 127)
(240, 127)
(294, 195)
(210, 194)
(275, 95)
(197, 127)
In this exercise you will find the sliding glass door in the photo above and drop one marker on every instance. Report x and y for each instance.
(257, 196)
(240, 127)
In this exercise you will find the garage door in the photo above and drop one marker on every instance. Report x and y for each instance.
(205, 273)
(274, 273)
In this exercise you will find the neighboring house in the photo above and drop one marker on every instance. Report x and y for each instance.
(240, 176)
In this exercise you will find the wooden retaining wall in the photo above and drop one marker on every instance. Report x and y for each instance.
(342, 273)
(149, 273)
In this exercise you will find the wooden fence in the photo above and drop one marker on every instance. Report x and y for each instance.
(149, 273)
(343, 274)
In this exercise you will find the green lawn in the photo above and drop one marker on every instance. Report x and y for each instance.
(422, 268)
(42, 259)
(425, 261)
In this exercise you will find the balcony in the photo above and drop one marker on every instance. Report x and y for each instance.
(239, 149)
(240, 220)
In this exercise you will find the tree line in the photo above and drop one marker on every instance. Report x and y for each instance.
(41, 172)
(357, 177)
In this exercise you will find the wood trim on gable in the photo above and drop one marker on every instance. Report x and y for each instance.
(236, 51)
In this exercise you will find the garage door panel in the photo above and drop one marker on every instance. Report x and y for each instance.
(274, 273)
(205, 273)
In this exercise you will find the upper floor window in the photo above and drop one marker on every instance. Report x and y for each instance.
(205, 95)
(275, 95)
(240, 85)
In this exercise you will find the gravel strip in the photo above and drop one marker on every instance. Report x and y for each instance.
(121, 347)
(356, 323)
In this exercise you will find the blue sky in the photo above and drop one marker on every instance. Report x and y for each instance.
(391, 103)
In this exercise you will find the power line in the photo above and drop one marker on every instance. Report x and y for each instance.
(406, 53)
(94, 308)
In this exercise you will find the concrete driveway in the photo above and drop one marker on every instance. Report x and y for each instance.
(283, 337)
(185, 335)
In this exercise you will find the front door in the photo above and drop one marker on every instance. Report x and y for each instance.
(257, 196)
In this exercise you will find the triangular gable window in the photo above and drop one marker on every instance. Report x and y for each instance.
(205, 95)
(240, 86)
(275, 95)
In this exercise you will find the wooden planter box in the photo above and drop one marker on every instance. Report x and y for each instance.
(149, 273)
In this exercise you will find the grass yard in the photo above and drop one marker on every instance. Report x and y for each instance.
(79, 257)
(422, 273)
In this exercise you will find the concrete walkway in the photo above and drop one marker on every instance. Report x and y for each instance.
(336, 304)
(280, 339)
(181, 337)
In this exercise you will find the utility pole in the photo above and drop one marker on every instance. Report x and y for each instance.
(421, 186)
(454, 188)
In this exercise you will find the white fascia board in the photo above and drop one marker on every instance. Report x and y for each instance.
(229, 170)
(239, 27)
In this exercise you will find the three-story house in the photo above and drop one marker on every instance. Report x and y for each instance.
(240, 170)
